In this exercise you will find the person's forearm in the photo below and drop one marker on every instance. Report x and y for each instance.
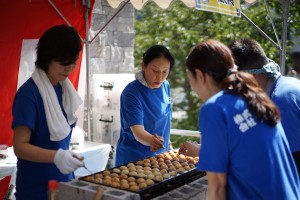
(216, 194)
(34, 153)
(141, 135)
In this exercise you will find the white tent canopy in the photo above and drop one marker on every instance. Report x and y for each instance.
(139, 4)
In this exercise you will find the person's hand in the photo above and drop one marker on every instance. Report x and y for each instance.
(67, 161)
(189, 148)
(156, 143)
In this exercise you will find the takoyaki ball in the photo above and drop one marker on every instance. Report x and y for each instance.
(159, 156)
(178, 166)
(140, 162)
(132, 183)
(172, 154)
(123, 181)
(107, 182)
(125, 171)
(132, 169)
(163, 171)
(156, 173)
(115, 184)
(115, 179)
(175, 159)
(147, 164)
(150, 176)
(152, 158)
(107, 177)
(155, 166)
(139, 171)
(172, 168)
(98, 180)
(168, 162)
(114, 175)
(134, 188)
(184, 164)
(168, 157)
(131, 179)
(123, 176)
(147, 168)
(196, 160)
(182, 158)
(153, 162)
(99, 176)
(180, 170)
(166, 176)
(147, 173)
(123, 168)
(186, 168)
(138, 167)
(140, 180)
(155, 169)
(158, 178)
(190, 159)
(133, 173)
(165, 154)
(149, 182)
(89, 178)
(106, 172)
(192, 166)
(116, 170)
(164, 167)
(142, 185)
(124, 186)
(161, 164)
(141, 175)
(130, 165)
(173, 173)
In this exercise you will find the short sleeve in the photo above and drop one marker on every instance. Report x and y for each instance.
(131, 108)
(213, 155)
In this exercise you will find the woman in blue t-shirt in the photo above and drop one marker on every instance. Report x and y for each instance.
(146, 109)
(244, 150)
(43, 116)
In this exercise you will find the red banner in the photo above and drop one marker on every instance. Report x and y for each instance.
(23, 20)
(28, 19)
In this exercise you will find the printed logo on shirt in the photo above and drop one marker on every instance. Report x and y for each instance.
(245, 120)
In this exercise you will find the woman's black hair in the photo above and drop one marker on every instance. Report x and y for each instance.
(157, 51)
(60, 43)
(215, 59)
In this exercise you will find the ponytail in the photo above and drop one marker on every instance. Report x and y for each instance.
(243, 84)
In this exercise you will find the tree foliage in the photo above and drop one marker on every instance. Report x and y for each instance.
(180, 28)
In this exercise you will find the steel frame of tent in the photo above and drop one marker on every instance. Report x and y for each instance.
(280, 44)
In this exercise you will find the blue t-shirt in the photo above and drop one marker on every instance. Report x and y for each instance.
(256, 157)
(28, 110)
(286, 95)
(148, 107)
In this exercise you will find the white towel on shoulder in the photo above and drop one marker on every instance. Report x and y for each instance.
(58, 126)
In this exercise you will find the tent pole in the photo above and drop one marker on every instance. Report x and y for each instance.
(285, 13)
(261, 31)
(272, 23)
(121, 8)
(87, 5)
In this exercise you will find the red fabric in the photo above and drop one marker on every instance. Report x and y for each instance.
(24, 19)
(4, 186)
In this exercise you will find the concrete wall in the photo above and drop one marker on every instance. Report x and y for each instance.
(112, 50)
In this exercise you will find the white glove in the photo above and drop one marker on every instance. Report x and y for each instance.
(67, 161)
